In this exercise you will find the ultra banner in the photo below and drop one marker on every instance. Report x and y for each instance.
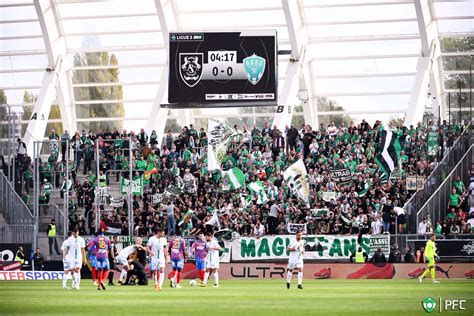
(317, 247)
(340, 175)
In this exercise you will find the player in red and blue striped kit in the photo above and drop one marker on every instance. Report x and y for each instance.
(200, 253)
(177, 252)
(101, 245)
(92, 256)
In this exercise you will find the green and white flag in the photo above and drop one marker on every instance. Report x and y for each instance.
(188, 214)
(432, 142)
(319, 212)
(137, 186)
(214, 221)
(235, 177)
(391, 145)
(365, 190)
(296, 178)
(219, 136)
(246, 200)
(257, 187)
(328, 196)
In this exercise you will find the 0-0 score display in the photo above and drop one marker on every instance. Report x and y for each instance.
(224, 67)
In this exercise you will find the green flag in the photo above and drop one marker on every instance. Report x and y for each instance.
(137, 186)
(257, 187)
(236, 178)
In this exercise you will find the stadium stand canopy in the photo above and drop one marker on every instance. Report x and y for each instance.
(372, 59)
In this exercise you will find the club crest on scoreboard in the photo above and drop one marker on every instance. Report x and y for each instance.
(254, 67)
(190, 67)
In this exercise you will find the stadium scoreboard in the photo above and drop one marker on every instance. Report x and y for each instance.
(230, 68)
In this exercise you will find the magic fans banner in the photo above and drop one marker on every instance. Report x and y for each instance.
(340, 175)
(324, 247)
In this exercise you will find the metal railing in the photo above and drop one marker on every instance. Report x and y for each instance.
(47, 212)
(16, 234)
(14, 210)
(436, 206)
(437, 176)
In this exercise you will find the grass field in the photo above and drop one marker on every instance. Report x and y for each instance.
(243, 298)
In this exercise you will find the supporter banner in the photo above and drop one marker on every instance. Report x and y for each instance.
(340, 175)
(319, 212)
(116, 202)
(432, 143)
(31, 275)
(8, 251)
(420, 182)
(451, 247)
(411, 183)
(317, 247)
(137, 186)
(328, 196)
(294, 228)
(172, 190)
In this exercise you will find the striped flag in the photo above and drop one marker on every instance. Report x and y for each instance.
(391, 145)
(149, 171)
(236, 178)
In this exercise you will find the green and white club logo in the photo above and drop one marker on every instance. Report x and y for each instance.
(429, 304)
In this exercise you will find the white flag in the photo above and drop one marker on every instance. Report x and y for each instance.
(214, 221)
(219, 136)
(296, 178)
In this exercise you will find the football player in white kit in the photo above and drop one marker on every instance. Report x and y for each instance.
(66, 264)
(76, 255)
(122, 259)
(157, 247)
(295, 261)
(212, 260)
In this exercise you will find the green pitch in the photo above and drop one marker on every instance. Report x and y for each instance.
(243, 298)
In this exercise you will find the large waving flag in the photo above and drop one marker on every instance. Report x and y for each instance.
(391, 145)
(246, 200)
(296, 178)
(236, 178)
(189, 213)
(219, 136)
(214, 221)
(149, 171)
(257, 187)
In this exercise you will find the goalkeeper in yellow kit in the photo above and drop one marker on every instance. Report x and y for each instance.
(430, 254)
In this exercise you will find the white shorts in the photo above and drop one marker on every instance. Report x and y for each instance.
(212, 264)
(156, 264)
(122, 261)
(293, 264)
(67, 265)
(76, 263)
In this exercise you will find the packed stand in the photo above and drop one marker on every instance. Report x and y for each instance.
(367, 204)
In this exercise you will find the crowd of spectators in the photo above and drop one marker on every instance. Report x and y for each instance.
(367, 204)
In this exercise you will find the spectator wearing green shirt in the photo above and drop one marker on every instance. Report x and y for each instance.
(459, 185)
(454, 199)
(451, 214)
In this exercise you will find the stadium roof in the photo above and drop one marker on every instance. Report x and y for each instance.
(363, 54)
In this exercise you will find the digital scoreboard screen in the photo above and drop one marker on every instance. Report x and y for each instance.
(223, 67)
